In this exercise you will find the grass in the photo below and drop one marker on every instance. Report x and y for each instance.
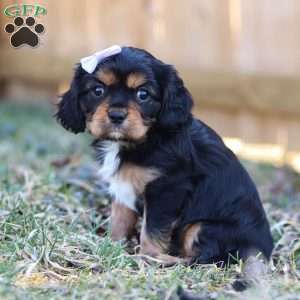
(54, 223)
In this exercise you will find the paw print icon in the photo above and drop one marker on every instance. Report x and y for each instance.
(24, 33)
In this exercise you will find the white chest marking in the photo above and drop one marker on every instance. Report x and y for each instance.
(127, 182)
(121, 190)
(111, 160)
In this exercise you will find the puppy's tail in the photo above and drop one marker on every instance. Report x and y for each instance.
(184, 295)
(254, 273)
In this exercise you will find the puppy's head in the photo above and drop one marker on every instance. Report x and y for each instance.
(124, 97)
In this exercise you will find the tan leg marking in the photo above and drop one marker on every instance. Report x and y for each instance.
(157, 248)
(123, 221)
(148, 245)
(190, 236)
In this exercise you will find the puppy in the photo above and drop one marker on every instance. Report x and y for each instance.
(198, 203)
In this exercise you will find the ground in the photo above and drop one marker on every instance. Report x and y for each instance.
(54, 221)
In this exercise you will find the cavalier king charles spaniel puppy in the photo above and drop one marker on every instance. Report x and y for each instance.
(197, 202)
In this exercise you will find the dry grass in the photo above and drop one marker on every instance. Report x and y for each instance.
(54, 219)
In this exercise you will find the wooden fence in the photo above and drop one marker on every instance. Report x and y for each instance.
(240, 59)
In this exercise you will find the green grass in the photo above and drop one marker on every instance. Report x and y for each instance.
(54, 220)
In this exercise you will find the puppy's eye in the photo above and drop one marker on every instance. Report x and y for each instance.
(142, 95)
(99, 91)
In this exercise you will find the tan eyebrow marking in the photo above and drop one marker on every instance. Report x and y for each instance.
(134, 80)
(107, 77)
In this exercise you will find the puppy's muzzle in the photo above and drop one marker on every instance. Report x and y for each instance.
(117, 116)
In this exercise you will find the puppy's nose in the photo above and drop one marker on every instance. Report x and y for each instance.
(117, 116)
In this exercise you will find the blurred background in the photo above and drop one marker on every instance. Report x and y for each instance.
(239, 58)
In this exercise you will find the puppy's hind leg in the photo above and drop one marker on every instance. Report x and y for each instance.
(154, 249)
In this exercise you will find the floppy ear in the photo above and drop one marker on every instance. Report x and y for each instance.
(70, 114)
(177, 101)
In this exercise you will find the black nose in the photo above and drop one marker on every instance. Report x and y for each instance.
(117, 116)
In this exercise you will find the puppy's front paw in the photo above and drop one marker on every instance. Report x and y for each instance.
(164, 260)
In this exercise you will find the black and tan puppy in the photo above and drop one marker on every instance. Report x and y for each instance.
(197, 201)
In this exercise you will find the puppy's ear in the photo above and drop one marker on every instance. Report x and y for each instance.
(70, 114)
(177, 101)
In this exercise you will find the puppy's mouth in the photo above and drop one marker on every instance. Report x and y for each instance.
(116, 132)
(124, 132)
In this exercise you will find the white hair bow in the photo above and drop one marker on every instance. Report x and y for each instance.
(90, 63)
